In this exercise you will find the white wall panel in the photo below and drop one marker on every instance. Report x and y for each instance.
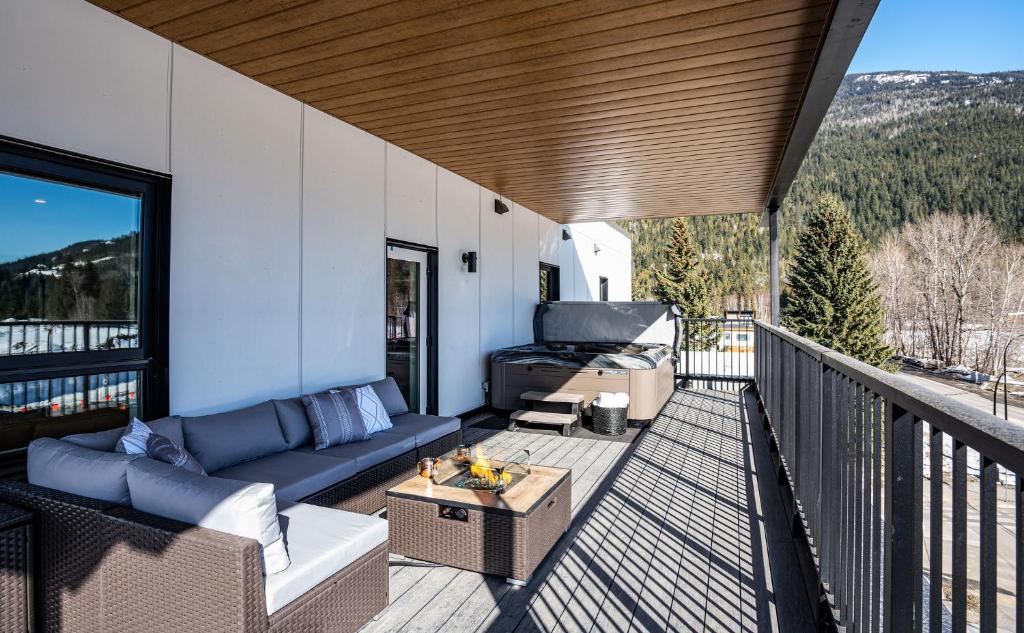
(527, 272)
(411, 197)
(460, 374)
(496, 278)
(567, 263)
(550, 236)
(76, 77)
(343, 253)
(234, 310)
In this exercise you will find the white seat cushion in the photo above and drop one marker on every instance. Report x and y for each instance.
(321, 542)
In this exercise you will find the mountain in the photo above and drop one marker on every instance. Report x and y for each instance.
(91, 279)
(895, 147)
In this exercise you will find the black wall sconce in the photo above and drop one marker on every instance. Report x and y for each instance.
(597, 249)
(500, 207)
(566, 234)
(469, 259)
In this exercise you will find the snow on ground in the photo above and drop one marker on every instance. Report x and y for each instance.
(36, 338)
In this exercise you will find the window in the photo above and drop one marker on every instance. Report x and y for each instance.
(83, 294)
(603, 287)
(549, 283)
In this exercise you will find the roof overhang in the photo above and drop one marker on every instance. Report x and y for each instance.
(579, 110)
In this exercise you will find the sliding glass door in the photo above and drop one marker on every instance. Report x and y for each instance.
(409, 342)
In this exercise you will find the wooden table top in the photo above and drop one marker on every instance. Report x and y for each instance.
(520, 499)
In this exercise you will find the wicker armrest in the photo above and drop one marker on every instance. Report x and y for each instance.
(163, 575)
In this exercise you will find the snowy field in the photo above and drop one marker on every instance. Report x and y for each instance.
(28, 337)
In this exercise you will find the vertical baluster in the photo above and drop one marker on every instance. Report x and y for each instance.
(987, 522)
(917, 543)
(844, 481)
(959, 537)
(935, 521)
(825, 450)
(902, 569)
(864, 579)
(876, 515)
(857, 498)
(1019, 503)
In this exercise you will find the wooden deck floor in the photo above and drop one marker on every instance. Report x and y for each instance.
(680, 531)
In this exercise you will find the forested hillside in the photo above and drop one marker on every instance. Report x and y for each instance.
(86, 280)
(896, 147)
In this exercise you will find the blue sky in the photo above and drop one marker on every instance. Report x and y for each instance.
(66, 215)
(979, 37)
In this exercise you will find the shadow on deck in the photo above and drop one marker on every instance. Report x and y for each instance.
(684, 530)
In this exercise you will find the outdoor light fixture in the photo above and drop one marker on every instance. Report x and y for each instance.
(566, 234)
(500, 207)
(597, 249)
(469, 259)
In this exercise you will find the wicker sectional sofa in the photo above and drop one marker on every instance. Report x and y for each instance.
(101, 565)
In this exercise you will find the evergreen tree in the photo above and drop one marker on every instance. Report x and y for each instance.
(684, 281)
(831, 296)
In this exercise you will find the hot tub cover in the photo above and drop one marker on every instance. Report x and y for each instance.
(606, 321)
(580, 355)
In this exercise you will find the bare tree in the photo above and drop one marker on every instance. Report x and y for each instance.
(999, 304)
(891, 267)
(953, 278)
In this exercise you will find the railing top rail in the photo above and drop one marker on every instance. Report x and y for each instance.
(66, 322)
(997, 439)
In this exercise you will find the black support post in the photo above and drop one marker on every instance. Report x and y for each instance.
(773, 238)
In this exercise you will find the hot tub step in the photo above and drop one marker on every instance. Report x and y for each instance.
(552, 396)
(568, 421)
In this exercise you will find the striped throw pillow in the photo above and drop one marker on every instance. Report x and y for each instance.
(335, 418)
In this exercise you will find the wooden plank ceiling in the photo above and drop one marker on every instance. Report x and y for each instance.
(580, 110)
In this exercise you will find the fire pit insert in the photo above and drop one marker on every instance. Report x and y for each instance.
(477, 472)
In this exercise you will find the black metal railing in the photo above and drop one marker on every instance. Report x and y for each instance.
(865, 454)
(52, 337)
(716, 349)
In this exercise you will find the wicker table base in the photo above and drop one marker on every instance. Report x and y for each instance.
(501, 535)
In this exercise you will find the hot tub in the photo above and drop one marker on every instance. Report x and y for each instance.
(614, 346)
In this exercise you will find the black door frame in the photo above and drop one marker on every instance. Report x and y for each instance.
(432, 377)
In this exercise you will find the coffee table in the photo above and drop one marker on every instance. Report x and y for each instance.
(505, 535)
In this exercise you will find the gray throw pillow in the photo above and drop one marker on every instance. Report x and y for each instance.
(335, 418)
(375, 417)
(164, 450)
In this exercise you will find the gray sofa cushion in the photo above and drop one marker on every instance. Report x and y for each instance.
(389, 393)
(82, 471)
(321, 542)
(291, 413)
(425, 428)
(295, 474)
(236, 507)
(224, 439)
(169, 427)
(98, 441)
(376, 450)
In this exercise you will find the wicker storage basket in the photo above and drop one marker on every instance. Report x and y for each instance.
(609, 420)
